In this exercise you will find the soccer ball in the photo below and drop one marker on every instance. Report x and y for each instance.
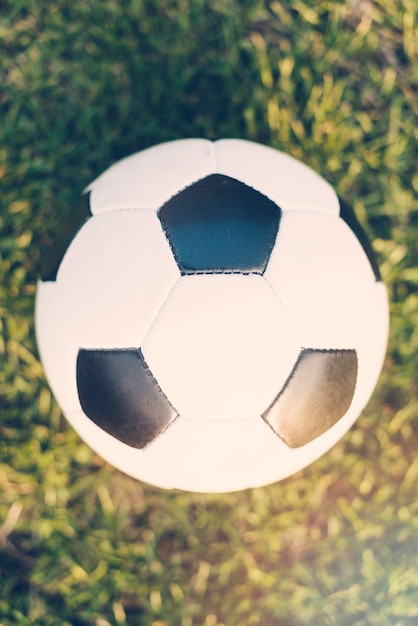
(218, 322)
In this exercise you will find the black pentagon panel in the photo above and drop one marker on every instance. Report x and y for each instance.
(118, 393)
(348, 215)
(68, 230)
(219, 224)
(317, 394)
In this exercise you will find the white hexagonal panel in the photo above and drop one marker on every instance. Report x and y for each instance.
(291, 184)
(114, 278)
(198, 455)
(217, 456)
(147, 179)
(323, 278)
(221, 346)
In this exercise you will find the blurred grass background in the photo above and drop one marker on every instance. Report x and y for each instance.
(86, 82)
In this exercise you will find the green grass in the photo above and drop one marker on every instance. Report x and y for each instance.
(84, 83)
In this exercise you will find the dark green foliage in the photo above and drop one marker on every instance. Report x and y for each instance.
(86, 82)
